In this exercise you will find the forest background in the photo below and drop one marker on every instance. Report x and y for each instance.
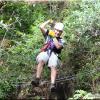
(21, 38)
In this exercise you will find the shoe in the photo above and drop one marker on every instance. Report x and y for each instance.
(52, 87)
(35, 82)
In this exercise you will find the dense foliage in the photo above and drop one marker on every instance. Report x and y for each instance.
(20, 40)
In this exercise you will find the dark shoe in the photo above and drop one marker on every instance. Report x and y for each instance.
(35, 82)
(52, 87)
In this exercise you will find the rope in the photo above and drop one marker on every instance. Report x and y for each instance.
(62, 79)
(53, 10)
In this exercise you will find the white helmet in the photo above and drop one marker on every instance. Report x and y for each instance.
(59, 26)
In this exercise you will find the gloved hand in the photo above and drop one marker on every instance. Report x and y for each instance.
(51, 21)
(52, 33)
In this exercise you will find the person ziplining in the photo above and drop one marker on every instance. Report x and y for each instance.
(49, 53)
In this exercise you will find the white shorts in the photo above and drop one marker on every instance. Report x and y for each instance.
(52, 61)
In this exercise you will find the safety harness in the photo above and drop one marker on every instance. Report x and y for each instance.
(50, 47)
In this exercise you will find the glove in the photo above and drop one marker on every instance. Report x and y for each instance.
(51, 21)
(52, 33)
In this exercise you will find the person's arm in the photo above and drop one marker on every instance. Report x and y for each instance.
(43, 26)
(57, 44)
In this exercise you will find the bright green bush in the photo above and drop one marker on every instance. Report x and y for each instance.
(81, 94)
(19, 23)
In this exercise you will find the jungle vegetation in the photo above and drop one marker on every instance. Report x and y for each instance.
(21, 38)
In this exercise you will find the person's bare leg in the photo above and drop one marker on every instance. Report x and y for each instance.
(53, 74)
(38, 73)
(39, 69)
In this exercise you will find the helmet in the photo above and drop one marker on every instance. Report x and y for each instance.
(59, 26)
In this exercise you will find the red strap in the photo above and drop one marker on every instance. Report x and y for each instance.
(45, 46)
